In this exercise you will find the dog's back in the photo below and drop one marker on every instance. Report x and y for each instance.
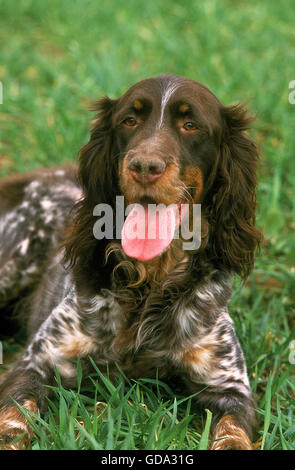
(34, 209)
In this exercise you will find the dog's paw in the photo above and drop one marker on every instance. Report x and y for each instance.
(229, 436)
(15, 432)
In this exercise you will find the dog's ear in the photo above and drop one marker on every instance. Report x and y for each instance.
(98, 175)
(234, 234)
(98, 172)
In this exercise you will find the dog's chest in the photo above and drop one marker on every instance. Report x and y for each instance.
(139, 344)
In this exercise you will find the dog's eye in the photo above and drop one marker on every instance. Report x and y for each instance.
(189, 126)
(130, 122)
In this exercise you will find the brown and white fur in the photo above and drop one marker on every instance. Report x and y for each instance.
(166, 140)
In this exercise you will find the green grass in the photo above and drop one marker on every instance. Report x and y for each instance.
(57, 56)
(125, 415)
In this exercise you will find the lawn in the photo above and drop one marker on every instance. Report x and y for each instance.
(57, 56)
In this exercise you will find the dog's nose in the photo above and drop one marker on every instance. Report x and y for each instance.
(146, 169)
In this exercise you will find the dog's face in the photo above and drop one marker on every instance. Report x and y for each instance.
(168, 140)
(167, 132)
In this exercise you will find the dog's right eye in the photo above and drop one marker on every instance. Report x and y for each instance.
(130, 122)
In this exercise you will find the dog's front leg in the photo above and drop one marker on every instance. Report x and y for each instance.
(27, 389)
(233, 417)
(216, 369)
(59, 340)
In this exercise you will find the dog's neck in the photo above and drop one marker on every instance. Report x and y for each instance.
(150, 272)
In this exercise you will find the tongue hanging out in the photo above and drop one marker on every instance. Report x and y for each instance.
(149, 230)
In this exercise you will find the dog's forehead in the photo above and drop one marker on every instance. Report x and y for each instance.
(168, 88)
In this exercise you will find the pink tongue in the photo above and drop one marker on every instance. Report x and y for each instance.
(147, 231)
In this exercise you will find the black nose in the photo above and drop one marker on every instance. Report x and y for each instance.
(146, 169)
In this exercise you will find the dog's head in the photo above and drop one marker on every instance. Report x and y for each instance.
(169, 140)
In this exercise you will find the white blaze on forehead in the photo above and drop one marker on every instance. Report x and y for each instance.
(166, 95)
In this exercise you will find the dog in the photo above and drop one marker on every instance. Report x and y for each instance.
(150, 307)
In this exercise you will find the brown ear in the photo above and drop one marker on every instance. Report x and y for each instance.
(98, 172)
(98, 175)
(234, 235)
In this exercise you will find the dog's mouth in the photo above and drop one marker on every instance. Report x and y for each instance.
(150, 228)
(146, 200)
(156, 212)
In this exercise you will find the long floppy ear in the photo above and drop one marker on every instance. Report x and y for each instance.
(233, 205)
(98, 172)
(98, 175)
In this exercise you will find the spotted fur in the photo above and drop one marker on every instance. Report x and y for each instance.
(82, 297)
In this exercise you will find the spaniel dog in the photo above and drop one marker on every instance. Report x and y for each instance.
(152, 307)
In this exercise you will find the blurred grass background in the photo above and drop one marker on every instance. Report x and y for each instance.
(56, 56)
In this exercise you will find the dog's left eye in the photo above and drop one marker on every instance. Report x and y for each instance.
(189, 126)
(130, 122)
